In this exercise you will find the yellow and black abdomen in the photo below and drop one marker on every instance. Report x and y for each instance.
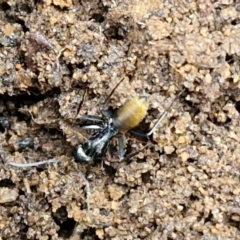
(131, 113)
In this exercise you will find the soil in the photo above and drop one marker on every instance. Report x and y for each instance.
(60, 60)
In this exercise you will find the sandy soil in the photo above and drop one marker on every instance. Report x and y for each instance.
(60, 59)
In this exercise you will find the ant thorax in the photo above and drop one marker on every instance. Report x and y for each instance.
(96, 146)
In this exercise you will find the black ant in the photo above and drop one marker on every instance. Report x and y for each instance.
(127, 117)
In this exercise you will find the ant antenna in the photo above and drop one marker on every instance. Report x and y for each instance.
(164, 114)
(35, 164)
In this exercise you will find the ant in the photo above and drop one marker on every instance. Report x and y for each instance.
(124, 119)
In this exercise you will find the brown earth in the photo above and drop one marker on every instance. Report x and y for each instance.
(60, 59)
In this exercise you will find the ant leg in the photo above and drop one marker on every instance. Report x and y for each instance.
(91, 127)
(105, 113)
(163, 115)
(35, 164)
(130, 155)
(120, 146)
(111, 93)
(140, 134)
(91, 118)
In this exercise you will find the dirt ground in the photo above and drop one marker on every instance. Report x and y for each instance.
(60, 59)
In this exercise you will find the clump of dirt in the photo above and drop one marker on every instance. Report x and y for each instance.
(61, 59)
